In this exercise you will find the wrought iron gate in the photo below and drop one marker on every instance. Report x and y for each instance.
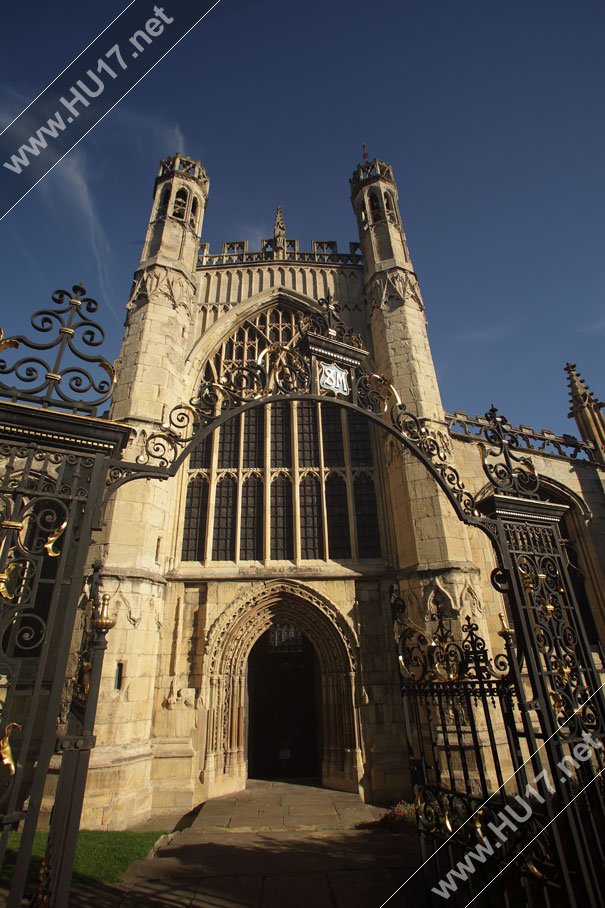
(507, 749)
(53, 470)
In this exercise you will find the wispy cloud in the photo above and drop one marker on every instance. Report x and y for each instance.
(254, 233)
(69, 184)
(597, 327)
(72, 183)
(485, 334)
(12, 102)
(147, 130)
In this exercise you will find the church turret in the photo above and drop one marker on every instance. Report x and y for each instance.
(160, 309)
(587, 412)
(397, 319)
(375, 200)
(429, 536)
(179, 201)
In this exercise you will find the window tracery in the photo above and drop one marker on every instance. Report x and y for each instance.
(288, 480)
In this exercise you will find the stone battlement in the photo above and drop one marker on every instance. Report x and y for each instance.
(323, 252)
(568, 447)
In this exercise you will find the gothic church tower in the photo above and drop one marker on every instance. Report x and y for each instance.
(433, 552)
(278, 541)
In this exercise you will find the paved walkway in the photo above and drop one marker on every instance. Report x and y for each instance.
(275, 845)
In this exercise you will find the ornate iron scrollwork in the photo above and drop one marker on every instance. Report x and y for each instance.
(556, 639)
(465, 820)
(64, 382)
(515, 475)
(269, 357)
(6, 753)
(414, 430)
(437, 655)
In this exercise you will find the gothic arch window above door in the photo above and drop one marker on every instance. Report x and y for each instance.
(290, 480)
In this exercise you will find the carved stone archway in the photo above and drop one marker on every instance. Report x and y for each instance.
(228, 645)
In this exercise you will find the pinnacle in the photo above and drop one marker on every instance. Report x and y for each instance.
(280, 228)
(580, 395)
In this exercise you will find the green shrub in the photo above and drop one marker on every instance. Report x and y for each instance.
(397, 816)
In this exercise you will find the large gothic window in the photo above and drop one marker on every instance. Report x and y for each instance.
(285, 481)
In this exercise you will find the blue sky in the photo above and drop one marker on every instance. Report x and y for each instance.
(490, 113)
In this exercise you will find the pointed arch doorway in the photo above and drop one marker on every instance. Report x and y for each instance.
(327, 679)
(284, 706)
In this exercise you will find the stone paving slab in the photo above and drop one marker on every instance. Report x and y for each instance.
(321, 861)
(306, 889)
(226, 891)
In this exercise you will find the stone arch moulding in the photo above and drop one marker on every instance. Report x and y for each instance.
(234, 316)
(288, 370)
(228, 644)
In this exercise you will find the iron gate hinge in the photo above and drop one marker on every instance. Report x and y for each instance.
(75, 742)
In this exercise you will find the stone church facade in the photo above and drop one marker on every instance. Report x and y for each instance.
(253, 590)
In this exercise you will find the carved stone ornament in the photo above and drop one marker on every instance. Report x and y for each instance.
(159, 282)
(395, 288)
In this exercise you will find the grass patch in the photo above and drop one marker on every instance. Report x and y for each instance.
(101, 857)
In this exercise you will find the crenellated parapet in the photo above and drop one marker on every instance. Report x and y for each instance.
(237, 252)
(463, 427)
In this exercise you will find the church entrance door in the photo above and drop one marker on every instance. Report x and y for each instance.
(284, 713)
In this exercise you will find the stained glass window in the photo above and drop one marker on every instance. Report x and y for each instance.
(282, 524)
(200, 456)
(308, 438)
(311, 522)
(223, 536)
(366, 517)
(229, 443)
(332, 436)
(281, 434)
(339, 541)
(196, 516)
(251, 527)
(326, 491)
(254, 438)
(359, 440)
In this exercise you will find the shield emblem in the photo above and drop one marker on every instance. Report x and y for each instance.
(333, 378)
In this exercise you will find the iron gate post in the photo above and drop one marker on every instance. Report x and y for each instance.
(75, 747)
(74, 442)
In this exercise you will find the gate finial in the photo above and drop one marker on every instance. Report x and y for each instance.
(62, 382)
(512, 474)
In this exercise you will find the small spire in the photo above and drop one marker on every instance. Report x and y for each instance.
(580, 394)
(586, 410)
(279, 229)
(364, 152)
